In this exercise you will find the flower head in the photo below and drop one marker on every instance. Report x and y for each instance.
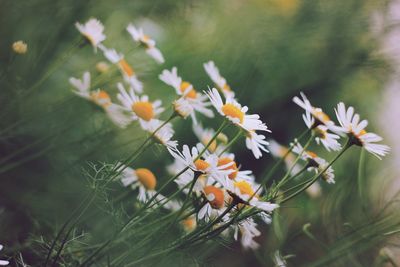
(248, 231)
(115, 112)
(164, 133)
(92, 30)
(244, 192)
(190, 100)
(355, 129)
(322, 133)
(20, 47)
(142, 179)
(207, 165)
(236, 113)
(127, 71)
(139, 106)
(218, 80)
(315, 163)
(149, 44)
(215, 205)
(317, 113)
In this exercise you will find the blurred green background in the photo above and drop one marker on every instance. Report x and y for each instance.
(268, 50)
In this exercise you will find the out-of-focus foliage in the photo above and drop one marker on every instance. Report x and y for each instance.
(267, 50)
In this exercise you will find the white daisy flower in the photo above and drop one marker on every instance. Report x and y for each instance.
(256, 143)
(315, 163)
(236, 113)
(190, 100)
(208, 165)
(127, 71)
(317, 113)
(218, 80)
(163, 135)
(280, 151)
(92, 30)
(355, 129)
(244, 192)
(142, 179)
(248, 231)
(147, 42)
(115, 112)
(215, 205)
(3, 262)
(322, 134)
(141, 108)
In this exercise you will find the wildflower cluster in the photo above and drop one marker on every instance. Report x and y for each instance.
(215, 194)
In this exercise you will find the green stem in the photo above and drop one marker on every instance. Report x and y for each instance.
(237, 136)
(105, 244)
(268, 175)
(347, 145)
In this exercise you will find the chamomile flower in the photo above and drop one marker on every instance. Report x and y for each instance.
(315, 163)
(218, 80)
(317, 113)
(147, 42)
(189, 224)
(233, 111)
(355, 129)
(207, 165)
(322, 134)
(3, 262)
(248, 231)
(256, 143)
(162, 135)
(92, 30)
(127, 71)
(215, 203)
(141, 108)
(115, 112)
(142, 179)
(279, 151)
(228, 159)
(244, 192)
(190, 100)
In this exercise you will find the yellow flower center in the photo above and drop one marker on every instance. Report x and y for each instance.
(226, 160)
(143, 110)
(189, 224)
(218, 201)
(146, 178)
(191, 94)
(89, 38)
(101, 98)
(320, 115)
(245, 188)
(226, 87)
(233, 112)
(312, 154)
(201, 165)
(126, 68)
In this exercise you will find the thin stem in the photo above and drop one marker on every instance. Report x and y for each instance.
(268, 175)
(347, 145)
(89, 259)
(234, 139)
